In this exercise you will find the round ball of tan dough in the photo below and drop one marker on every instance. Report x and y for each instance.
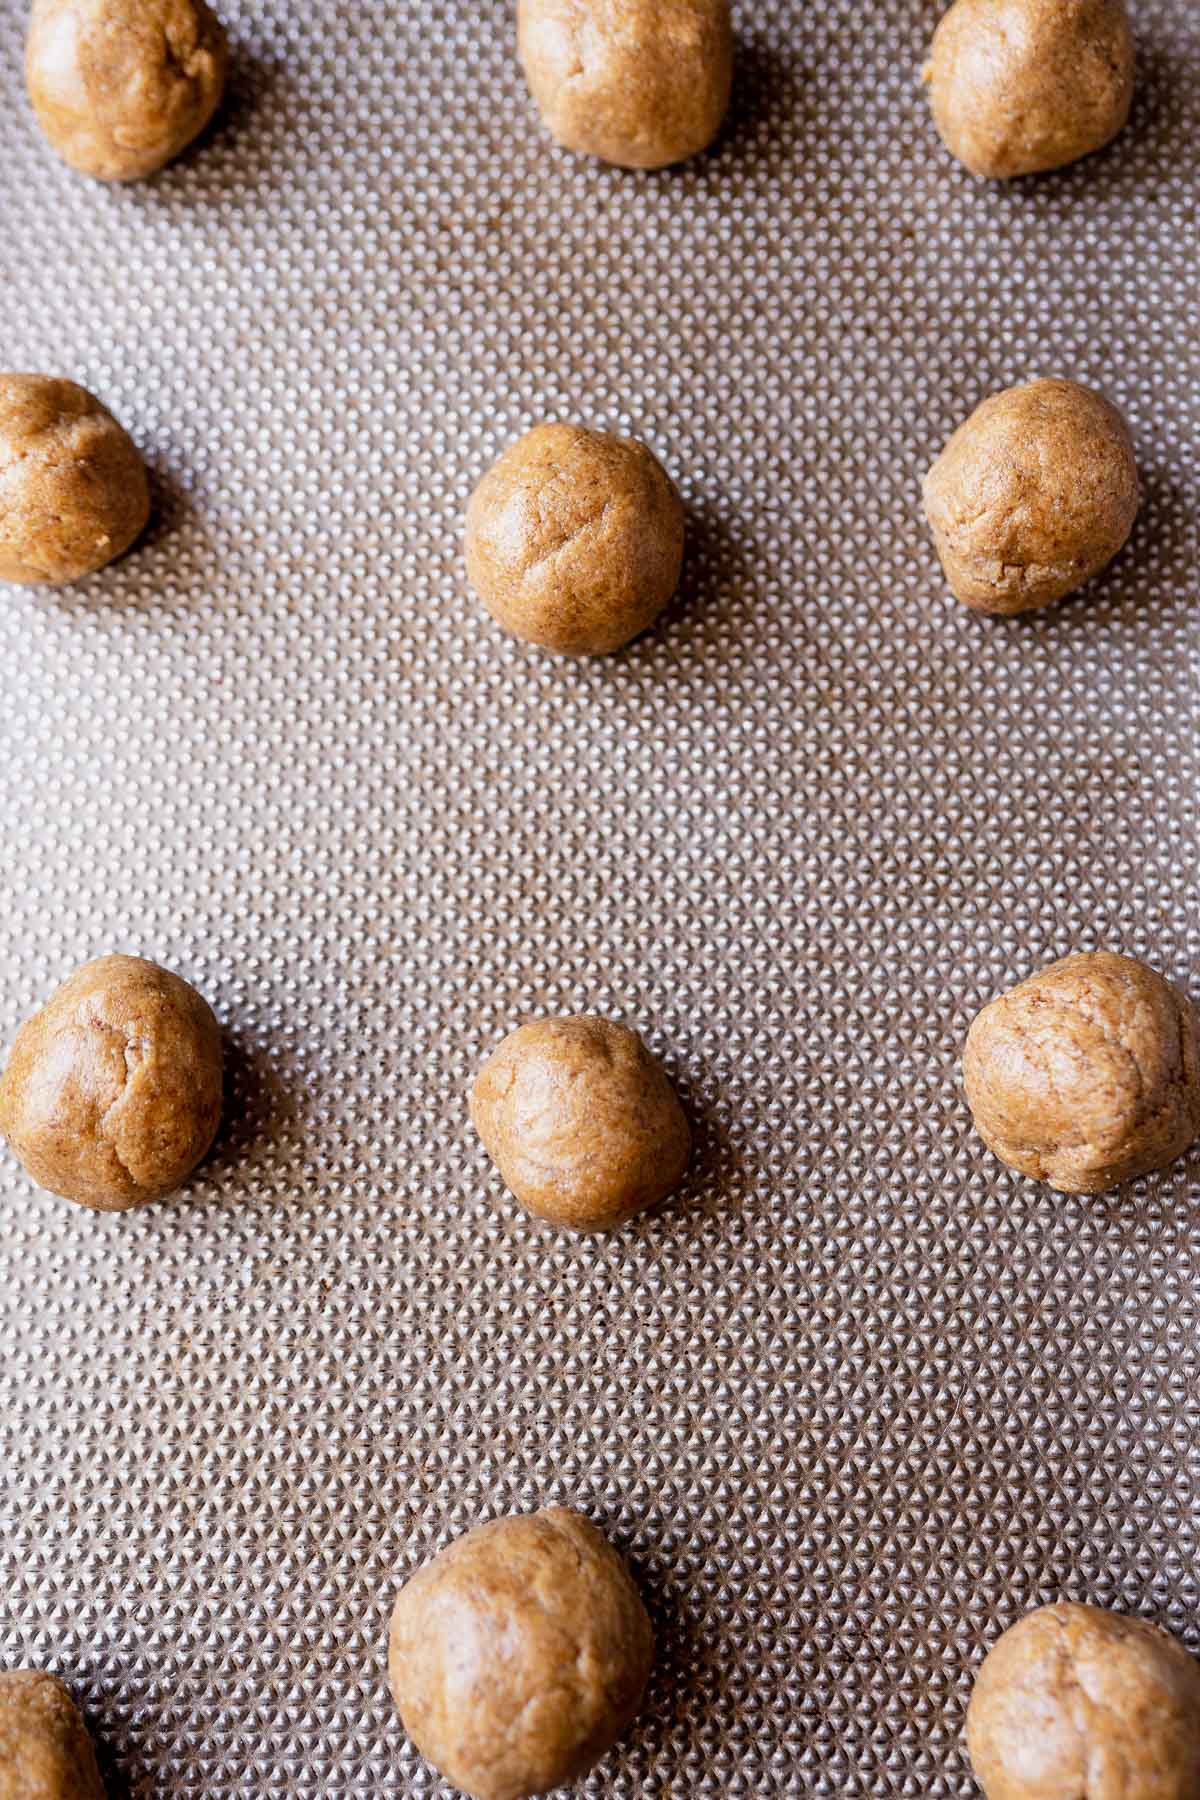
(1032, 496)
(519, 1655)
(575, 539)
(581, 1122)
(112, 1092)
(1023, 85)
(121, 86)
(73, 489)
(1077, 1701)
(642, 83)
(1086, 1075)
(45, 1751)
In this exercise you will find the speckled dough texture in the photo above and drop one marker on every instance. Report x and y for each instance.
(1087, 1074)
(641, 83)
(1074, 1700)
(45, 1750)
(119, 87)
(1033, 495)
(1021, 86)
(855, 1398)
(520, 1654)
(73, 488)
(112, 1092)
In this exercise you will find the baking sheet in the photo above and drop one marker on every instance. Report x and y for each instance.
(857, 1398)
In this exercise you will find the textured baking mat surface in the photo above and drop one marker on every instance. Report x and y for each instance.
(856, 1398)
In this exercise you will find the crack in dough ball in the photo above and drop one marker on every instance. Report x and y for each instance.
(581, 1121)
(112, 1092)
(575, 539)
(519, 1655)
(641, 83)
(119, 87)
(1086, 1075)
(1074, 1703)
(1018, 86)
(1033, 495)
(45, 1750)
(73, 489)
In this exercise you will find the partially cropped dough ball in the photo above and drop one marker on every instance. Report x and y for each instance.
(73, 489)
(642, 83)
(575, 539)
(45, 1751)
(581, 1121)
(112, 1092)
(1074, 1703)
(1086, 1075)
(1032, 496)
(519, 1655)
(1023, 85)
(121, 86)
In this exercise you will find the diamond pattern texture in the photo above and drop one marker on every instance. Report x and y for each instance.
(855, 1399)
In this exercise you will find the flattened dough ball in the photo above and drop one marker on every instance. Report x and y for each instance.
(642, 83)
(119, 87)
(581, 1121)
(73, 489)
(1087, 1074)
(45, 1750)
(519, 1655)
(1077, 1701)
(1032, 496)
(1018, 86)
(112, 1092)
(575, 539)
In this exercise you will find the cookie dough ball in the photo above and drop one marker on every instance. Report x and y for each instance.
(1023, 85)
(112, 1092)
(45, 1751)
(575, 539)
(518, 1656)
(642, 83)
(1032, 496)
(73, 490)
(121, 86)
(1077, 1701)
(581, 1121)
(1086, 1075)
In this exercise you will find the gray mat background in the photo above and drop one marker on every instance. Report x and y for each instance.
(856, 1398)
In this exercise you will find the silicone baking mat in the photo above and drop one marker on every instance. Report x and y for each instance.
(856, 1398)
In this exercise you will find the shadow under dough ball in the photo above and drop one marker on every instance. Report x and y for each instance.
(112, 1092)
(581, 1121)
(1077, 1701)
(45, 1750)
(641, 83)
(1087, 1074)
(119, 87)
(575, 539)
(519, 1655)
(1032, 496)
(73, 488)
(1018, 86)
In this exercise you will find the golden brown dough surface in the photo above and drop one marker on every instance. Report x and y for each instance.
(119, 87)
(519, 1655)
(112, 1092)
(1075, 1703)
(642, 83)
(73, 489)
(1018, 86)
(581, 1121)
(1033, 495)
(45, 1751)
(575, 539)
(1087, 1074)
